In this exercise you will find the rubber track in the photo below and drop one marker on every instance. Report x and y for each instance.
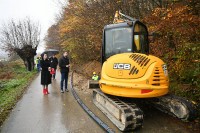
(88, 111)
(133, 114)
(162, 104)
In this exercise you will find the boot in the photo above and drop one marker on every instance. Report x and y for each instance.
(44, 91)
(47, 91)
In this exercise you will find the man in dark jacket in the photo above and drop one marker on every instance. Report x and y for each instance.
(64, 69)
(54, 63)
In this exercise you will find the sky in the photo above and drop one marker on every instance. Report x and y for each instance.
(42, 11)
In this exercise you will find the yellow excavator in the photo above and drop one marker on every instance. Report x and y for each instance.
(129, 72)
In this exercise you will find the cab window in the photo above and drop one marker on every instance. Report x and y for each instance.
(140, 38)
(118, 40)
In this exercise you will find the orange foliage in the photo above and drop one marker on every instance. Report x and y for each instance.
(175, 26)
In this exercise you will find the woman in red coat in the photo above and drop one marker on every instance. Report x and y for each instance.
(45, 73)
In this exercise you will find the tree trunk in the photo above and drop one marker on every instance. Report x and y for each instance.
(27, 54)
(29, 63)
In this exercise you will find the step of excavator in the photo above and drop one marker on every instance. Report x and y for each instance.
(93, 84)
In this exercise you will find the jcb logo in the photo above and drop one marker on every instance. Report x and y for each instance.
(122, 66)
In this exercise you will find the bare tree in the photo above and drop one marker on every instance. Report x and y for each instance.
(22, 38)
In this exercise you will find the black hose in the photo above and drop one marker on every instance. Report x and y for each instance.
(87, 110)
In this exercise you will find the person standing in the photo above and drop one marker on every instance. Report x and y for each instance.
(95, 76)
(45, 73)
(54, 63)
(64, 69)
(37, 62)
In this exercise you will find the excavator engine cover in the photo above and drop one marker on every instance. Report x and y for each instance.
(134, 75)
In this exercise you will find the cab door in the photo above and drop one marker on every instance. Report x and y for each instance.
(140, 38)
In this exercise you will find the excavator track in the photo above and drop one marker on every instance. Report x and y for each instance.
(126, 116)
(175, 106)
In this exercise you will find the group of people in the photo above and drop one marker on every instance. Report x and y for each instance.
(48, 68)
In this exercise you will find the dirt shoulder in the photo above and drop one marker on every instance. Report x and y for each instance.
(88, 68)
(81, 83)
(83, 73)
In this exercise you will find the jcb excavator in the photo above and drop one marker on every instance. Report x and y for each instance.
(129, 71)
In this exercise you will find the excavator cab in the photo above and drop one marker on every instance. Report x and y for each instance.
(125, 37)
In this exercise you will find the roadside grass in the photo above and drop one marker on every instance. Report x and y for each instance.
(14, 79)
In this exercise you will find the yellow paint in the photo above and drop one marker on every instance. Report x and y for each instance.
(121, 82)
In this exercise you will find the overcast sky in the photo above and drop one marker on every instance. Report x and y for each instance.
(42, 11)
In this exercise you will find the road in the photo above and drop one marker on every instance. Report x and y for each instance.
(53, 113)
(60, 113)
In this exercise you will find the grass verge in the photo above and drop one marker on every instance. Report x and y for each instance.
(14, 79)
